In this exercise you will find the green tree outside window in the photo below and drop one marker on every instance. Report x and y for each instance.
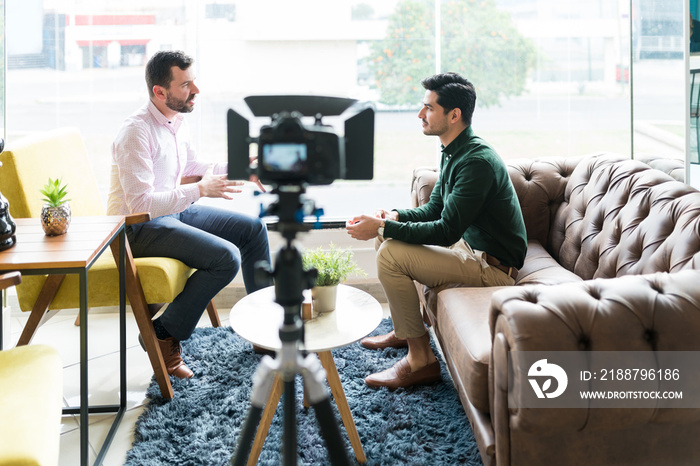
(479, 41)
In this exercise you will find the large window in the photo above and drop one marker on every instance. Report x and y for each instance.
(552, 76)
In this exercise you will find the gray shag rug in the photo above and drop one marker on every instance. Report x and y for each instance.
(200, 426)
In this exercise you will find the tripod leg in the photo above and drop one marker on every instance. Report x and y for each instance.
(314, 375)
(263, 380)
(289, 442)
(266, 421)
(249, 427)
(331, 432)
(341, 401)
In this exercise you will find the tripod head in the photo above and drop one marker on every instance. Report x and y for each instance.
(289, 277)
(290, 155)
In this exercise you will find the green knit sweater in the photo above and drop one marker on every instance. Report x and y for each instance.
(473, 199)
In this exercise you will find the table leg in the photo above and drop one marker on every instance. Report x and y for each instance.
(266, 420)
(84, 424)
(122, 319)
(341, 401)
(121, 409)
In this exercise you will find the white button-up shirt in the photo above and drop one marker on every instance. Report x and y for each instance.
(150, 155)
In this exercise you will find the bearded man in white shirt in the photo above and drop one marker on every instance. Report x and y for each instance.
(150, 155)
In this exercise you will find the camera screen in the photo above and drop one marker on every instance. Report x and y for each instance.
(284, 157)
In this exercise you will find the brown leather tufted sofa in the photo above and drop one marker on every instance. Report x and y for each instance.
(612, 252)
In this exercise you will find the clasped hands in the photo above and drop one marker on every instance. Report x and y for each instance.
(365, 227)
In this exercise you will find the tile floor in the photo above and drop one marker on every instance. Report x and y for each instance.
(103, 375)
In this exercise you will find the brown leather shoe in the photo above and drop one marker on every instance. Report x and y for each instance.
(400, 375)
(172, 350)
(384, 341)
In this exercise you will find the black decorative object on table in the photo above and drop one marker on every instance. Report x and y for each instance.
(7, 225)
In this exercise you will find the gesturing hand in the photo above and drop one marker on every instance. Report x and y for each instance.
(217, 185)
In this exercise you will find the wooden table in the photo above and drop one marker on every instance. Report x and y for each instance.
(75, 252)
(257, 318)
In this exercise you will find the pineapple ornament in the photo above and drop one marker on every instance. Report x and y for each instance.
(55, 214)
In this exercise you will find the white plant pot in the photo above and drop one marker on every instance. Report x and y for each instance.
(323, 298)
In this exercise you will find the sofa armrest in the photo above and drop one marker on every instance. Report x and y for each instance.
(422, 185)
(655, 312)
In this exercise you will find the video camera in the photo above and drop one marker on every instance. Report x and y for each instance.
(290, 156)
(290, 152)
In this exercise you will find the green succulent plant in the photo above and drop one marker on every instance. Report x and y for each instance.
(54, 193)
(334, 265)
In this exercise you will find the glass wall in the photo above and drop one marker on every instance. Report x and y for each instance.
(659, 75)
(552, 76)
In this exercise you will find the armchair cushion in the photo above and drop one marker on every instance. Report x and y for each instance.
(60, 153)
(27, 165)
(162, 279)
(30, 162)
(31, 388)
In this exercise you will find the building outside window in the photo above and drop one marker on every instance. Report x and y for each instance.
(552, 76)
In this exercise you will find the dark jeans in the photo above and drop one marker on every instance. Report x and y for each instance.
(214, 241)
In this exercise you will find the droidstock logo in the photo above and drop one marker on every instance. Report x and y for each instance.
(540, 376)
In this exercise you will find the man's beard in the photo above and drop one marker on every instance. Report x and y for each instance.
(436, 130)
(179, 105)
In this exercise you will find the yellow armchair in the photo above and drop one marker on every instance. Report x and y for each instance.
(31, 390)
(151, 281)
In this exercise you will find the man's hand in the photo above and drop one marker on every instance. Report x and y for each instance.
(254, 178)
(217, 185)
(363, 227)
(387, 214)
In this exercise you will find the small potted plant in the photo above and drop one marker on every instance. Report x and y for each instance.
(55, 214)
(334, 266)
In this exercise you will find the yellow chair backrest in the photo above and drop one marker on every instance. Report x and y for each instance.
(28, 163)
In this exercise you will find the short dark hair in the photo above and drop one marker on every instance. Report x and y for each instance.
(159, 68)
(453, 91)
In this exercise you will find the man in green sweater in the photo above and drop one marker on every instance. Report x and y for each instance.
(471, 231)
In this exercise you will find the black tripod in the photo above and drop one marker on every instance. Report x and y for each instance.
(290, 281)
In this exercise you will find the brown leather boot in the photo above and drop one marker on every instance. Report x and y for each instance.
(172, 350)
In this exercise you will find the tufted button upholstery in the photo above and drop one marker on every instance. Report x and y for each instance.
(540, 187)
(613, 253)
(672, 167)
(632, 313)
(622, 217)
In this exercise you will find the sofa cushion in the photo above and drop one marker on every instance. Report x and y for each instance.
(540, 268)
(462, 315)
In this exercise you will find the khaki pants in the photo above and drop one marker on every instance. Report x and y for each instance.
(399, 264)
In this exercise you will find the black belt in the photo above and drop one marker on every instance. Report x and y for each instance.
(510, 271)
